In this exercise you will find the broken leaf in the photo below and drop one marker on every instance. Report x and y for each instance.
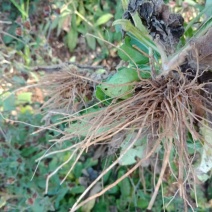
(120, 83)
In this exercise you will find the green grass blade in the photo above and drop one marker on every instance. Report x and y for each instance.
(19, 7)
(194, 20)
(204, 28)
(140, 35)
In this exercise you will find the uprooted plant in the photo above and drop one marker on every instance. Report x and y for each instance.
(156, 103)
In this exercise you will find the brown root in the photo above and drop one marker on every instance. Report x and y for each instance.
(164, 109)
(68, 90)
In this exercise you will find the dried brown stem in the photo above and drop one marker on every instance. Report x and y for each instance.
(61, 66)
(163, 169)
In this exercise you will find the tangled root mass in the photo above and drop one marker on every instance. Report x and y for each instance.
(164, 109)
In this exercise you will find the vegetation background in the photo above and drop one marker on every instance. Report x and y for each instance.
(36, 32)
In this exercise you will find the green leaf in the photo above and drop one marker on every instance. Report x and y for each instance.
(77, 190)
(143, 199)
(72, 38)
(8, 101)
(90, 162)
(103, 19)
(124, 185)
(60, 196)
(106, 176)
(124, 4)
(19, 80)
(145, 74)
(137, 151)
(26, 152)
(101, 205)
(6, 6)
(3, 202)
(78, 169)
(72, 35)
(140, 35)
(84, 127)
(89, 205)
(206, 161)
(119, 84)
(208, 5)
(194, 147)
(26, 109)
(24, 98)
(113, 190)
(43, 204)
(91, 41)
(127, 52)
(11, 31)
(130, 156)
(7, 39)
(101, 96)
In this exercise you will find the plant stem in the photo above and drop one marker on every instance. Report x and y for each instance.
(175, 61)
